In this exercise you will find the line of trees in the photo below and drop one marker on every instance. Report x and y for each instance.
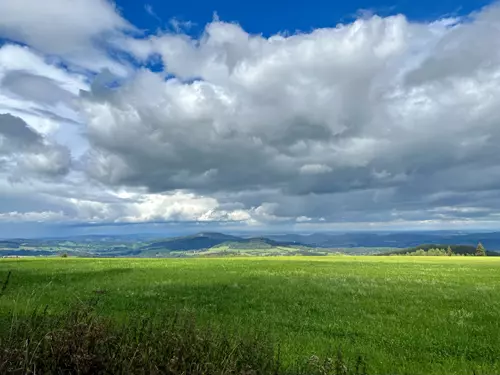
(480, 251)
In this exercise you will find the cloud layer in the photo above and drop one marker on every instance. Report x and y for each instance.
(382, 121)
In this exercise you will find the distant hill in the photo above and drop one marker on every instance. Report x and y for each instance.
(401, 240)
(209, 240)
(195, 242)
(26, 253)
(253, 243)
(457, 249)
(10, 244)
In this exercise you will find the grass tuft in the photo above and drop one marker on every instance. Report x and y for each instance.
(5, 283)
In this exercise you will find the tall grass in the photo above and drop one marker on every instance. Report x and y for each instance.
(84, 342)
(5, 283)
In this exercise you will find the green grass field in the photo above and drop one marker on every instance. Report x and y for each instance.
(405, 315)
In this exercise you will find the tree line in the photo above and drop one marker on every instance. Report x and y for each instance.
(480, 251)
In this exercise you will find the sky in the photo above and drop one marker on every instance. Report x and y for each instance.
(248, 116)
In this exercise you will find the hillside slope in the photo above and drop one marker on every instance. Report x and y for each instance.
(202, 241)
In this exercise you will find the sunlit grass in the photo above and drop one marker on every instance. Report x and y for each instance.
(433, 315)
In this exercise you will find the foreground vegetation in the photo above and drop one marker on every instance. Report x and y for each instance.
(418, 315)
(83, 342)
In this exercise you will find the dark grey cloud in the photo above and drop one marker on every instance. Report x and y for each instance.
(25, 151)
(34, 87)
(15, 130)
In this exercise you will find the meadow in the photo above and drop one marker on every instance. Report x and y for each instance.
(402, 315)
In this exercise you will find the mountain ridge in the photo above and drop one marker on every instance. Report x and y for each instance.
(216, 242)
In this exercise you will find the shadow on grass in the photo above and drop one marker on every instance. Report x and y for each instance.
(84, 342)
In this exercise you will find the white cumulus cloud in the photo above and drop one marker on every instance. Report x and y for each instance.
(382, 120)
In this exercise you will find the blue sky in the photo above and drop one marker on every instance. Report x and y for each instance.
(271, 17)
(248, 116)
